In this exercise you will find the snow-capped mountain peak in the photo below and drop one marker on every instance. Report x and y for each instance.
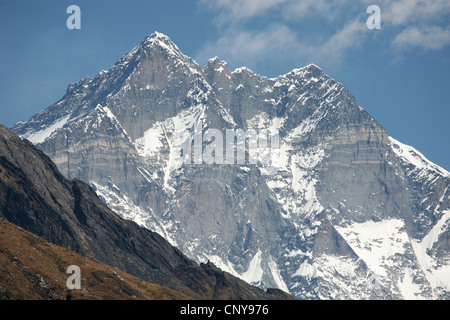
(349, 212)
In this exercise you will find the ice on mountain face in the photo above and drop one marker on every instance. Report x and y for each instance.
(36, 137)
(98, 117)
(162, 41)
(120, 203)
(220, 65)
(172, 134)
(254, 272)
(165, 43)
(125, 207)
(340, 278)
(263, 121)
(414, 157)
(275, 272)
(429, 240)
(294, 186)
(303, 185)
(377, 243)
(219, 263)
(437, 276)
(382, 245)
(100, 113)
(407, 287)
(226, 116)
(242, 70)
(430, 183)
(307, 125)
(306, 270)
(151, 142)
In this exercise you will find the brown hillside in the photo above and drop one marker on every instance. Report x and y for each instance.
(34, 269)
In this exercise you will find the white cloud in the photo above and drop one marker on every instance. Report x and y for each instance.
(280, 43)
(297, 10)
(427, 38)
(422, 24)
(407, 12)
(397, 12)
(338, 44)
(242, 47)
(418, 24)
(232, 10)
(239, 10)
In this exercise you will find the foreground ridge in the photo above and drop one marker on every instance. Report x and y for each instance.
(34, 269)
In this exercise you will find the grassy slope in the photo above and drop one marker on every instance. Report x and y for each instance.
(32, 268)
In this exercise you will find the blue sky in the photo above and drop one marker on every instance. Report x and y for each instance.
(400, 73)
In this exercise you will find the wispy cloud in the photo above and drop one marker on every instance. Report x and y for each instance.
(298, 10)
(407, 12)
(240, 10)
(427, 38)
(242, 46)
(418, 24)
(339, 26)
(237, 10)
(349, 36)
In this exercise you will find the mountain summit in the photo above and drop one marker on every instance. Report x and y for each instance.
(347, 213)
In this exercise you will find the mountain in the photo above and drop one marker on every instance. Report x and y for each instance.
(37, 197)
(332, 208)
(34, 269)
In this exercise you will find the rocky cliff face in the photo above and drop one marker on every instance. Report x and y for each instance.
(342, 211)
(35, 196)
